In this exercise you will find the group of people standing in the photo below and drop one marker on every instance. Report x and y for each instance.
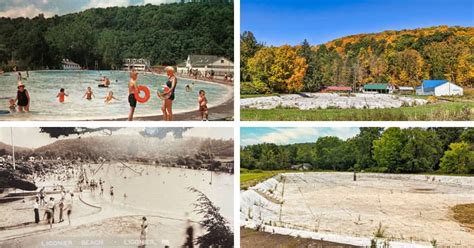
(168, 97)
(51, 207)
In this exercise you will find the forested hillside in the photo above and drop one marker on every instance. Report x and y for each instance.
(165, 34)
(393, 150)
(403, 58)
(126, 147)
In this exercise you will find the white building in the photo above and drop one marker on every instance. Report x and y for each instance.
(439, 88)
(70, 65)
(137, 64)
(207, 63)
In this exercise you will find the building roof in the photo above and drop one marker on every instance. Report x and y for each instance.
(382, 86)
(69, 62)
(338, 88)
(405, 88)
(433, 83)
(202, 60)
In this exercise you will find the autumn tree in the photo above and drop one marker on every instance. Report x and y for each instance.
(287, 71)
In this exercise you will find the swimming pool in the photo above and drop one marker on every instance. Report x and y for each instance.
(43, 86)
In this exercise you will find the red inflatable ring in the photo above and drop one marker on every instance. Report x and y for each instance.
(145, 89)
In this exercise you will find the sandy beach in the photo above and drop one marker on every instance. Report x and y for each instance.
(116, 221)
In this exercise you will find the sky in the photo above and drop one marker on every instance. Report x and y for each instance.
(279, 22)
(31, 137)
(284, 136)
(31, 8)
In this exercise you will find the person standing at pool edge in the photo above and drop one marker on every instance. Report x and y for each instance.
(23, 98)
(132, 88)
(167, 106)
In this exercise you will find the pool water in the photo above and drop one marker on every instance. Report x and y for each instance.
(43, 87)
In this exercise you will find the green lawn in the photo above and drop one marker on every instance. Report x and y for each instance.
(442, 111)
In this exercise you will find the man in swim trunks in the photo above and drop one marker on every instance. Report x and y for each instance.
(132, 88)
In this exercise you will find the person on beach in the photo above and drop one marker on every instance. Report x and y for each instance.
(36, 210)
(110, 97)
(12, 105)
(143, 232)
(202, 100)
(189, 243)
(68, 210)
(42, 196)
(89, 94)
(61, 209)
(167, 106)
(112, 193)
(132, 88)
(19, 78)
(22, 98)
(61, 95)
(50, 212)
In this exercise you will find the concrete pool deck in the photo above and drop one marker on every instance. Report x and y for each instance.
(308, 101)
(412, 209)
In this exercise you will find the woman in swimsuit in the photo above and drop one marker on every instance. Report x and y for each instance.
(167, 106)
(23, 98)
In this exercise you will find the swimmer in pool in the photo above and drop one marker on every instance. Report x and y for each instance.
(109, 97)
(61, 95)
(89, 94)
(12, 105)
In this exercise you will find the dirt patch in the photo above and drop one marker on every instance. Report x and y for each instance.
(464, 214)
(251, 238)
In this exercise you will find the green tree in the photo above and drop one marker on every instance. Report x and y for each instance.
(421, 152)
(459, 159)
(248, 47)
(387, 149)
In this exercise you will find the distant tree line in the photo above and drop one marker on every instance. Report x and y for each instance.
(403, 58)
(391, 150)
(102, 37)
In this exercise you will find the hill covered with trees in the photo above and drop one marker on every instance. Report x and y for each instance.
(165, 34)
(403, 58)
(393, 150)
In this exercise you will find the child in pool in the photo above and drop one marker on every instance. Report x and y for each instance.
(12, 105)
(109, 97)
(89, 94)
(61, 95)
(202, 100)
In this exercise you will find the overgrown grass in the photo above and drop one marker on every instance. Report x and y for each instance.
(464, 214)
(443, 111)
(249, 178)
(258, 95)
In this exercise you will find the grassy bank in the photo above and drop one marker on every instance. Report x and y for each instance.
(464, 214)
(442, 111)
(251, 178)
(252, 238)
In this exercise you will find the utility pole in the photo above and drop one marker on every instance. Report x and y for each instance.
(13, 148)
